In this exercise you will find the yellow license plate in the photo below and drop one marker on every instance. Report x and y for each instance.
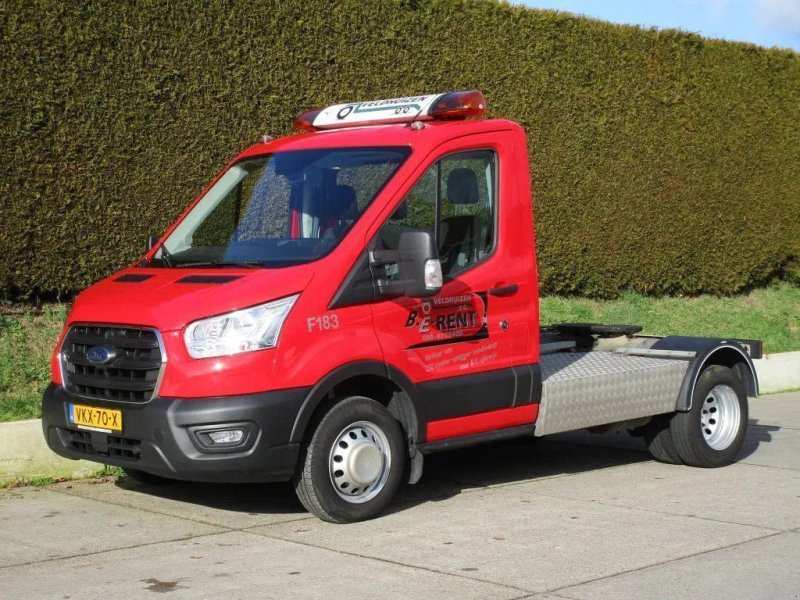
(95, 419)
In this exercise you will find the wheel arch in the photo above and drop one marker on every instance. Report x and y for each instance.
(708, 352)
(373, 379)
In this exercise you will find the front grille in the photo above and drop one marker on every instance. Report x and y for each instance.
(130, 375)
(81, 441)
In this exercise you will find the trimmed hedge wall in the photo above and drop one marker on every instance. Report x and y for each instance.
(663, 162)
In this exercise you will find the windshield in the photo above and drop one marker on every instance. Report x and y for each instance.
(280, 209)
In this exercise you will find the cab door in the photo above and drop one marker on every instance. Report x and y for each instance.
(457, 346)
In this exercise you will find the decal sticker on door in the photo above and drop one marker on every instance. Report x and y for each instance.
(447, 319)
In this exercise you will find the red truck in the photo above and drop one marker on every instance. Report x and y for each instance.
(337, 304)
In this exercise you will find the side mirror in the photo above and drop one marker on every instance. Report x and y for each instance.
(152, 240)
(418, 264)
(412, 270)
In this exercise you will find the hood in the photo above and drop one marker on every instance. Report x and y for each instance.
(168, 299)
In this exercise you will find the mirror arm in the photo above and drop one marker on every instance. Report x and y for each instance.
(389, 289)
(378, 258)
(385, 287)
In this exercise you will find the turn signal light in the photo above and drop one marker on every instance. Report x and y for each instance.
(459, 105)
(433, 274)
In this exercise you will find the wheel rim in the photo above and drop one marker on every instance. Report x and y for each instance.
(720, 417)
(359, 462)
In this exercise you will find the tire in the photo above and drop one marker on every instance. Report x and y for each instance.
(712, 432)
(147, 478)
(360, 436)
(658, 437)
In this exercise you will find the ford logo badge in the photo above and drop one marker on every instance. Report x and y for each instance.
(100, 355)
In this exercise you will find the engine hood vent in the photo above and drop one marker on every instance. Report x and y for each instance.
(208, 278)
(133, 278)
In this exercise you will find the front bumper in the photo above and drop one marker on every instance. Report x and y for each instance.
(161, 436)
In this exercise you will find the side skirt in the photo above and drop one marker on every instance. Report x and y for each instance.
(477, 438)
(484, 423)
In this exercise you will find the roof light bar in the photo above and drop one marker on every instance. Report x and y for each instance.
(459, 105)
(450, 105)
(305, 121)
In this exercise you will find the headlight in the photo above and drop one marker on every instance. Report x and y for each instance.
(240, 331)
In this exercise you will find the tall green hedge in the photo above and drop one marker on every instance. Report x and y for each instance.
(662, 161)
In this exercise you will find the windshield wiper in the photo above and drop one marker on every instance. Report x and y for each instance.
(249, 264)
(166, 255)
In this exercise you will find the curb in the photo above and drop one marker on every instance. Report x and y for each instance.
(24, 455)
(778, 372)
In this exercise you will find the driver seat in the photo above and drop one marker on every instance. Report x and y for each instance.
(458, 238)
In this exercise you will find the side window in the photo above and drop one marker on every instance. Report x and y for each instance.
(417, 211)
(456, 200)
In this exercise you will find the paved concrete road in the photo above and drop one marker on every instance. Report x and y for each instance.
(577, 516)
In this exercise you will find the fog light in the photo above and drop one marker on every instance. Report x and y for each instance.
(226, 436)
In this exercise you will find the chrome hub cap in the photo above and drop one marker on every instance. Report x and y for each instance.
(720, 417)
(359, 462)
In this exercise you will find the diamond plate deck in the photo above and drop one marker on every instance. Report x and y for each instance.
(584, 389)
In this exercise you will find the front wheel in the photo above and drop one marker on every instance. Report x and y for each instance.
(352, 466)
(711, 433)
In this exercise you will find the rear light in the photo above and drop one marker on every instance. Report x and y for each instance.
(305, 121)
(459, 105)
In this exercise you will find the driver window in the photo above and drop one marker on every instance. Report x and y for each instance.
(461, 190)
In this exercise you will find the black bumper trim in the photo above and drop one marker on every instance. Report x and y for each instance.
(160, 432)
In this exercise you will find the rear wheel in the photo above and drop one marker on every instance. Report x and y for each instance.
(352, 466)
(659, 441)
(712, 432)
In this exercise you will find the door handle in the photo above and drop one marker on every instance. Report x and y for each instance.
(506, 290)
